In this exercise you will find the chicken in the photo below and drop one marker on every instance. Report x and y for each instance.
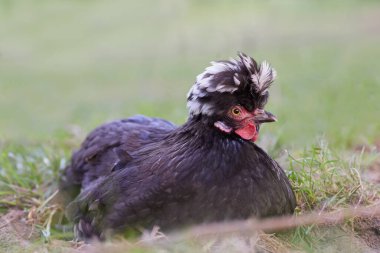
(140, 171)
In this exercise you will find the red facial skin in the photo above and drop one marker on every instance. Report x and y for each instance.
(247, 131)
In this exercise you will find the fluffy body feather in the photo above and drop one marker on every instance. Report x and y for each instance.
(98, 154)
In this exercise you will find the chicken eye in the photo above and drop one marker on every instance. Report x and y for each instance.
(236, 111)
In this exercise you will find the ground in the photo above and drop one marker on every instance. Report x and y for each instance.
(66, 67)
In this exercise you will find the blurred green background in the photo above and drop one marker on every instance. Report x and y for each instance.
(81, 63)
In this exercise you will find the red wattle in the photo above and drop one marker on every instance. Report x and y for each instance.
(248, 132)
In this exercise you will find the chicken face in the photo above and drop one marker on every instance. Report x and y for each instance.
(244, 123)
(231, 95)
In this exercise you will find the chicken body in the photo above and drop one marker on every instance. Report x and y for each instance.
(98, 154)
(143, 172)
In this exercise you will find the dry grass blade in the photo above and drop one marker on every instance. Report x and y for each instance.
(278, 223)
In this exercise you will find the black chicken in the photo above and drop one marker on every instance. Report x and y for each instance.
(145, 171)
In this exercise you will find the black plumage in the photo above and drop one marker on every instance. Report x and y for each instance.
(144, 171)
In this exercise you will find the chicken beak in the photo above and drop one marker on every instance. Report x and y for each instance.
(261, 116)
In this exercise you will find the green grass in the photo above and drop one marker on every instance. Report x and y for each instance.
(326, 182)
(321, 180)
(68, 66)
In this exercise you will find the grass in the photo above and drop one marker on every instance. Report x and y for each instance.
(321, 180)
(68, 66)
(324, 181)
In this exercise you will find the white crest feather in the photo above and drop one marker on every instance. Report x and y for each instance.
(236, 80)
(264, 77)
(215, 68)
(194, 107)
(228, 77)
